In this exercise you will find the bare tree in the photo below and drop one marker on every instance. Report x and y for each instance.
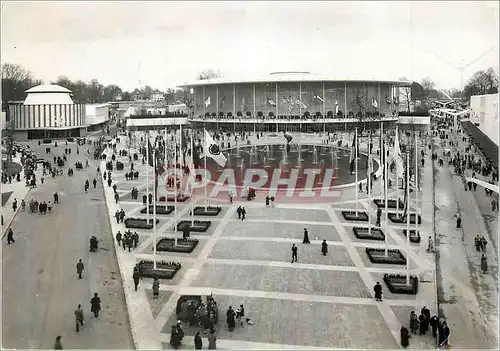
(428, 84)
(15, 81)
(481, 83)
(405, 95)
(208, 74)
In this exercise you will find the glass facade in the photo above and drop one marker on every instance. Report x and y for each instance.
(293, 98)
(48, 116)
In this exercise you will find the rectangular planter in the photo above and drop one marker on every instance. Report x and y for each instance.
(396, 219)
(160, 209)
(183, 246)
(394, 256)
(165, 270)
(139, 223)
(208, 211)
(362, 233)
(397, 284)
(391, 203)
(414, 237)
(199, 226)
(351, 216)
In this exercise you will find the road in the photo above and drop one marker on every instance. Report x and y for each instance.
(40, 289)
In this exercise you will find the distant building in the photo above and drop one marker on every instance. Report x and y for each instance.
(485, 114)
(157, 97)
(48, 112)
(97, 116)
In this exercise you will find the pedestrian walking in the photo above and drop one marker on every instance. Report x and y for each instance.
(117, 197)
(305, 239)
(136, 276)
(243, 213)
(58, 344)
(231, 197)
(198, 343)
(238, 211)
(324, 247)
(230, 314)
(413, 322)
(95, 305)
(484, 242)
(212, 340)
(94, 182)
(10, 236)
(378, 291)
(294, 253)
(79, 268)
(444, 335)
(14, 205)
(23, 205)
(484, 263)
(79, 317)
(156, 288)
(56, 198)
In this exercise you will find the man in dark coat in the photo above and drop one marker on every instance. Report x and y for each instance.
(136, 276)
(305, 240)
(56, 198)
(444, 335)
(122, 215)
(10, 236)
(95, 304)
(424, 324)
(324, 247)
(119, 237)
(117, 216)
(405, 337)
(78, 317)
(231, 323)
(144, 199)
(79, 268)
(378, 291)
(58, 344)
(135, 237)
(109, 182)
(294, 253)
(238, 211)
(198, 343)
(243, 213)
(94, 182)
(434, 322)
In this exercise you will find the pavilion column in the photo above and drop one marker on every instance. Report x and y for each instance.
(254, 107)
(204, 104)
(345, 99)
(324, 101)
(234, 101)
(217, 100)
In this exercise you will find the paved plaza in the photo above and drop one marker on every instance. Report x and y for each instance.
(320, 301)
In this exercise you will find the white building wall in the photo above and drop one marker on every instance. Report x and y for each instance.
(485, 109)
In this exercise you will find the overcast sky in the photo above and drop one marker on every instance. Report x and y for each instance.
(164, 44)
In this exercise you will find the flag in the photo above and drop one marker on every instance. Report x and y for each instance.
(301, 104)
(396, 101)
(242, 105)
(222, 101)
(207, 102)
(150, 154)
(374, 102)
(212, 150)
(271, 102)
(290, 108)
(336, 107)
(387, 100)
(316, 96)
(352, 155)
(397, 156)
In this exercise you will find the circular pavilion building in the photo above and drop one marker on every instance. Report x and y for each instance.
(48, 112)
(292, 101)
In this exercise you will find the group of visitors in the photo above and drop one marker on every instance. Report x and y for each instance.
(305, 240)
(127, 240)
(419, 325)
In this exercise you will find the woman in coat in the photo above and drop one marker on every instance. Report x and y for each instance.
(156, 288)
(212, 340)
(324, 247)
(231, 323)
(95, 304)
(484, 263)
(198, 343)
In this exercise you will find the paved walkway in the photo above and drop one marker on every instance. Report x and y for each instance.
(40, 289)
(319, 302)
(468, 299)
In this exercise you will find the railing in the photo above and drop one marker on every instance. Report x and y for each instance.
(269, 120)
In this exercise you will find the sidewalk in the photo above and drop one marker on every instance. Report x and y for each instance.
(19, 191)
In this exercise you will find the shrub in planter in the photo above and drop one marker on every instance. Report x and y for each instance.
(397, 219)
(180, 198)
(260, 114)
(198, 226)
(394, 256)
(351, 216)
(397, 284)
(160, 209)
(340, 113)
(362, 233)
(221, 114)
(329, 114)
(239, 114)
(318, 114)
(414, 237)
(207, 211)
(214, 114)
(229, 114)
(271, 114)
(368, 114)
(351, 114)
(359, 114)
(249, 113)
(183, 246)
(165, 270)
(391, 203)
(139, 223)
(207, 114)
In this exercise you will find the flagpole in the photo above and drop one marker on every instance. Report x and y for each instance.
(154, 216)
(416, 184)
(386, 222)
(408, 219)
(397, 171)
(205, 173)
(191, 177)
(382, 155)
(369, 183)
(175, 196)
(147, 177)
(356, 165)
